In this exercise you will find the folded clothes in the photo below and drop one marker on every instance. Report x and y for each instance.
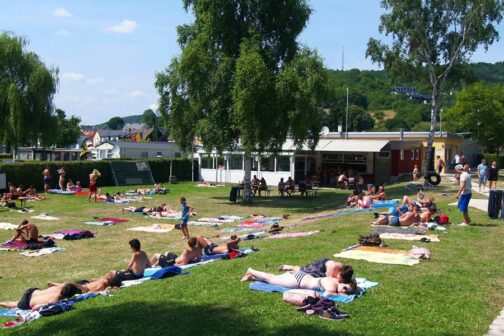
(292, 235)
(154, 228)
(362, 283)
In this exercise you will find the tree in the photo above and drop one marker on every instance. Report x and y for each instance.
(67, 130)
(241, 80)
(479, 109)
(150, 119)
(430, 37)
(27, 89)
(115, 123)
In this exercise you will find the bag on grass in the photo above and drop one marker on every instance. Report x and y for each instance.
(442, 219)
(298, 296)
(167, 259)
(371, 240)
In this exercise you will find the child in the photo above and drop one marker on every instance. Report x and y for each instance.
(186, 212)
(415, 173)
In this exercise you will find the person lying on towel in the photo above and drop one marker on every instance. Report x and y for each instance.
(211, 248)
(325, 268)
(95, 286)
(192, 253)
(136, 266)
(408, 218)
(27, 232)
(35, 298)
(328, 285)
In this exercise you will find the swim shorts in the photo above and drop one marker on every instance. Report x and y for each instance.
(316, 269)
(463, 203)
(92, 187)
(209, 249)
(128, 275)
(24, 303)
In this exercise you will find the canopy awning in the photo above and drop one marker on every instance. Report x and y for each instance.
(341, 145)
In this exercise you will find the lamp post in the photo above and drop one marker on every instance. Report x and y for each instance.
(479, 123)
(440, 123)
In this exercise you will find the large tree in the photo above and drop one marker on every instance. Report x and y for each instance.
(67, 129)
(150, 119)
(479, 109)
(115, 123)
(241, 81)
(429, 38)
(27, 89)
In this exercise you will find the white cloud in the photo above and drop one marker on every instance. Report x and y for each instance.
(154, 106)
(138, 93)
(125, 27)
(61, 12)
(63, 32)
(94, 80)
(72, 76)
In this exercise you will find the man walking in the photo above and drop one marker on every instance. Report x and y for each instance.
(482, 174)
(465, 192)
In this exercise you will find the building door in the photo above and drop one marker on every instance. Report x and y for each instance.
(382, 167)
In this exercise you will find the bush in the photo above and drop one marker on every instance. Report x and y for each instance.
(5, 156)
(491, 157)
(30, 173)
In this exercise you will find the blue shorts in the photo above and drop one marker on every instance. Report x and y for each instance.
(483, 179)
(393, 221)
(46, 180)
(463, 202)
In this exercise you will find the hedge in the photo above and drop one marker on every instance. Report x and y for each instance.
(30, 173)
(491, 158)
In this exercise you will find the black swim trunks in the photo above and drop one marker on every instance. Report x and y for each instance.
(167, 259)
(209, 249)
(128, 275)
(316, 269)
(24, 303)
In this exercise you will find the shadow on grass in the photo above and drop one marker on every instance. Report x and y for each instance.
(141, 318)
(484, 225)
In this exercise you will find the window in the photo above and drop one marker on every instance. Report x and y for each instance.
(402, 154)
(235, 161)
(109, 154)
(144, 155)
(417, 154)
(177, 155)
(220, 162)
(254, 163)
(412, 154)
(283, 163)
(159, 154)
(268, 163)
(206, 162)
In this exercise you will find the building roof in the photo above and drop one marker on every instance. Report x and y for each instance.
(390, 135)
(109, 133)
(142, 145)
(341, 145)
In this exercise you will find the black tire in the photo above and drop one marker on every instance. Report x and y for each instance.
(433, 179)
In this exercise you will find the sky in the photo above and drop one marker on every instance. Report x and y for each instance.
(108, 52)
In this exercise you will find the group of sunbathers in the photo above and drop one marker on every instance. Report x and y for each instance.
(410, 212)
(364, 200)
(156, 189)
(16, 193)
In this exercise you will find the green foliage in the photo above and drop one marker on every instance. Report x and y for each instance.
(150, 119)
(242, 77)
(27, 88)
(491, 157)
(489, 73)
(115, 123)
(483, 105)
(30, 173)
(67, 130)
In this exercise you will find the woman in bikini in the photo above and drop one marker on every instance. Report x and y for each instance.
(300, 279)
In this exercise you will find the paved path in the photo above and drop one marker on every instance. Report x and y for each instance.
(497, 326)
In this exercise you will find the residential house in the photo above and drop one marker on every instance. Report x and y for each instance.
(136, 150)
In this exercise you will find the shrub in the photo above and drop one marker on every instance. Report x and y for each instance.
(490, 157)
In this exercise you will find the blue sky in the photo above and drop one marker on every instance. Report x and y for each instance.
(108, 51)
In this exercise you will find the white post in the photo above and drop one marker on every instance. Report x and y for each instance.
(346, 123)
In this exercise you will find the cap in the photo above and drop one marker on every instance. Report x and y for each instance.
(459, 167)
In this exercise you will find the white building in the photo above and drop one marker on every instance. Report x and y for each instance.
(136, 150)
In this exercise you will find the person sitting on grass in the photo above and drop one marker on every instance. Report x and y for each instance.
(35, 298)
(31, 192)
(425, 216)
(95, 286)
(136, 266)
(70, 185)
(328, 285)
(325, 268)
(192, 253)
(409, 218)
(380, 195)
(27, 232)
(365, 202)
(353, 199)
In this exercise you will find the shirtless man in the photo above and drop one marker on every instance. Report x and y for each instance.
(34, 298)
(325, 268)
(408, 218)
(47, 179)
(192, 253)
(136, 266)
(95, 286)
(27, 231)
(61, 181)
(92, 184)
(210, 248)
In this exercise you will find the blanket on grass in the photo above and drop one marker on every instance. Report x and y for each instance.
(20, 245)
(335, 214)
(73, 234)
(113, 220)
(42, 251)
(61, 192)
(363, 284)
(236, 229)
(154, 228)
(172, 216)
(407, 236)
(401, 230)
(292, 235)
(7, 226)
(378, 255)
(45, 217)
(99, 223)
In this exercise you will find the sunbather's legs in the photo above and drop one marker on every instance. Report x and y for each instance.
(155, 259)
(289, 268)
(382, 220)
(9, 304)
(406, 200)
(285, 280)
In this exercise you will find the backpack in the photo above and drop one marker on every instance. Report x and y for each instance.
(167, 260)
(443, 219)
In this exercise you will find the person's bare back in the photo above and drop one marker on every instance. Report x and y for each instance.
(189, 255)
(409, 218)
(139, 262)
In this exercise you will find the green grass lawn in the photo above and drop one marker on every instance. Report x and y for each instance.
(458, 292)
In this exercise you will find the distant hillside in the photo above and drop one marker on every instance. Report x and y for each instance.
(127, 120)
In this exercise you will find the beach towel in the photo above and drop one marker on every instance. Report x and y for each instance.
(82, 193)
(12, 312)
(45, 217)
(362, 283)
(24, 210)
(57, 236)
(7, 226)
(99, 223)
(174, 216)
(253, 225)
(61, 192)
(42, 251)
(236, 229)
(230, 218)
(402, 230)
(73, 234)
(113, 220)
(198, 223)
(378, 255)
(407, 236)
(21, 245)
(154, 228)
(335, 214)
(292, 235)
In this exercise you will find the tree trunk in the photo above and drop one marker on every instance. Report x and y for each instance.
(247, 189)
(432, 131)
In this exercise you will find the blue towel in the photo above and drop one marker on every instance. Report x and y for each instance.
(10, 312)
(362, 283)
(167, 272)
